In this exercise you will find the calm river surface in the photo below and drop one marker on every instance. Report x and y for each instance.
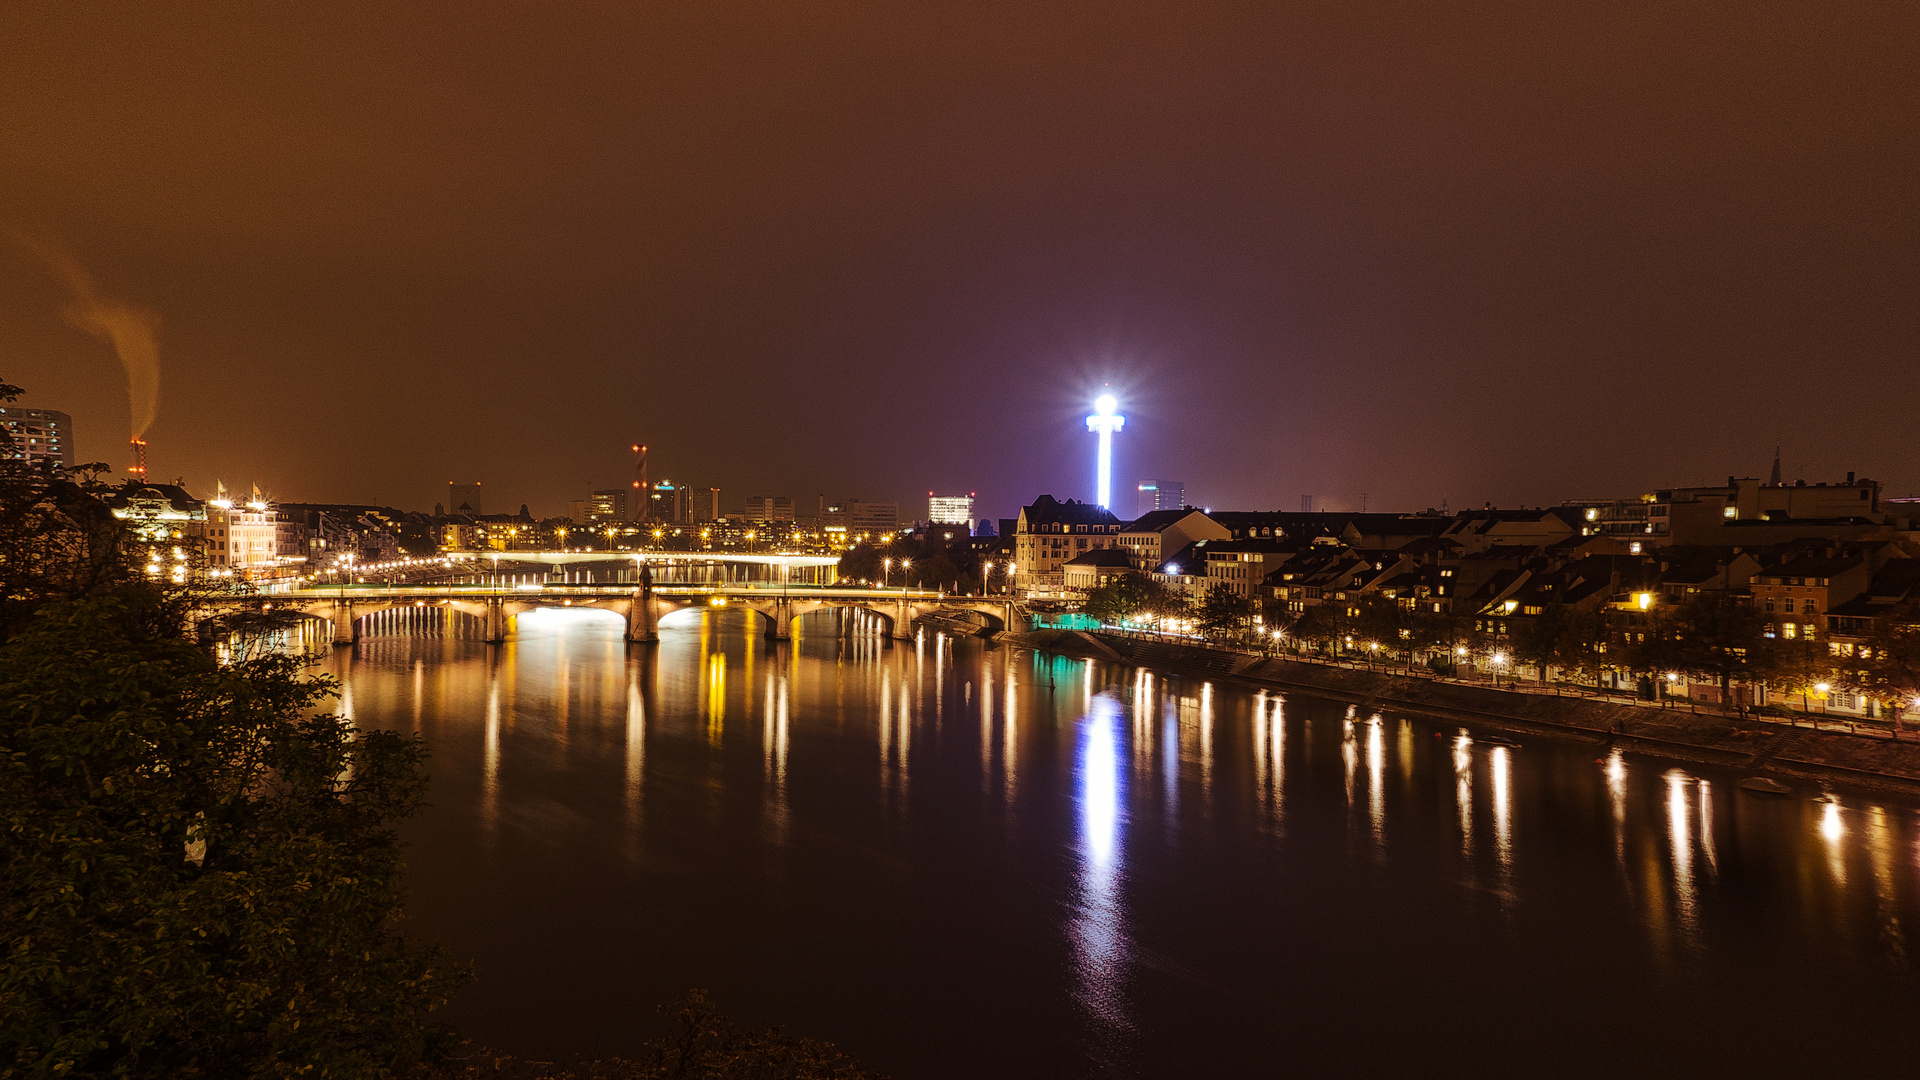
(965, 860)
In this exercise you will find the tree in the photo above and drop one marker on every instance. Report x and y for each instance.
(1583, 648)
(1382, 626)
(199, 875)
(1887, 668)
(1539, 641)
(1797, 665)
(1714, 634)
(1124, 597)
(1321, 625)
(1225, 615)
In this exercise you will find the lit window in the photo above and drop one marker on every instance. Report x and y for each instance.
(1789, 630)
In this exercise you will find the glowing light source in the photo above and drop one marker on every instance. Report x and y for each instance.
(1105, 421)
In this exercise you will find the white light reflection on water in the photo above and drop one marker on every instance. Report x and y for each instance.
(1833, 831)
(1376, 780)
(1170, 759)
(903, 732)
(1206, 744)
(1680, 840)
(1009, 741)
(986, 727)
(1100, 945)
(774, 750)
(1616, 772)
(490, 759)
(1277, 745)
(1349, 755)
(1503, 806)
(886, 720)
(1706, 826)
(1260, 744)
(636, 743)
(1463, 789)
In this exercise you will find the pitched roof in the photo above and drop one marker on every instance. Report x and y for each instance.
(1101, 557)
(1046, 510)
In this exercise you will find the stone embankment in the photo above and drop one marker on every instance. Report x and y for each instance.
(1672, 731)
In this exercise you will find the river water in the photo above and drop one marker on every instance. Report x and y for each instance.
(957, 859)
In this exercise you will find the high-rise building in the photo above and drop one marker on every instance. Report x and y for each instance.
(950, 509)
(703, 504)
(37, 435)
(853, 521)
(1161, 495)
(667, 503)
(463, 498)
(608, 505)
(775, 508)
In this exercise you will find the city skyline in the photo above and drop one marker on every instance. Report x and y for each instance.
(1313, 252)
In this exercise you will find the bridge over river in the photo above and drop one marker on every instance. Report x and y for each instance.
(686, 565)
(642, 606)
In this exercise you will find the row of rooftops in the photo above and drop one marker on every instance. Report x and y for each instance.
(1436, 565)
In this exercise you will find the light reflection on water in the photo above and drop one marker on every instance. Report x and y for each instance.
(948, 856)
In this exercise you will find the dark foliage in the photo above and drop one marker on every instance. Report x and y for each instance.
(704, 1046)
(1131, 595)
(201, 876)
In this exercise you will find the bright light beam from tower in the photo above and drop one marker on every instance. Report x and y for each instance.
(1105, 421)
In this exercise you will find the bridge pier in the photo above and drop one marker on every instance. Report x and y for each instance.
(903, 621)
(642, 623)
(780, 621)
(496, 621)
(345, 630)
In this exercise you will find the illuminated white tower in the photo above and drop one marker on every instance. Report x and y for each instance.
(1105, 421)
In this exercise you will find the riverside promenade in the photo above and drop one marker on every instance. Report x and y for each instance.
(1842, 750)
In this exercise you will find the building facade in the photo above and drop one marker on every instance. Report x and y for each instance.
(950, 509)
(37, 436)
(1050, 533)
(243, 539)
(769, 508)
(703, 504)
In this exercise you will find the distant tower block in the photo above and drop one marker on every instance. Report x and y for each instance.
(1104, 422)
(950, 509)
(1162, 495)
(1306, 504)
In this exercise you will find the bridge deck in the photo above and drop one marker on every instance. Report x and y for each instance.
(758, 591)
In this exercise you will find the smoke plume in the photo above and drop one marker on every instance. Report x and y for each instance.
(131, 329)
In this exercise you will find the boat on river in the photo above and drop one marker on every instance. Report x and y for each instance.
(1496, 740)
(1764, 785)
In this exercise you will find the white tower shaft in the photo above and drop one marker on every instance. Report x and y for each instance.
(1105, 422)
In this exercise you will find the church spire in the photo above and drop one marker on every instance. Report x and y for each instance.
(1776, 466)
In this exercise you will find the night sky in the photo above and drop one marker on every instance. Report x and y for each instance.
(1436, 251)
